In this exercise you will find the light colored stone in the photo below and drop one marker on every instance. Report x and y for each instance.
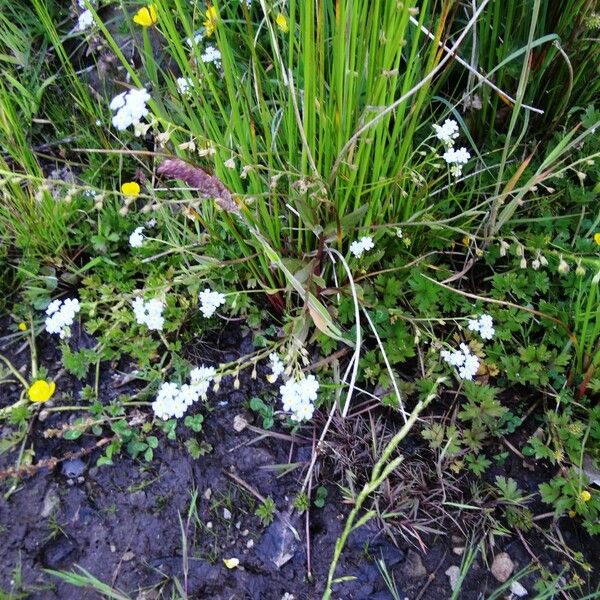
(453, 572)
(239, 423)
(207, 494)
(517, 589)
(502, 567)
(51, 501)
(227, 514)
(459, 550)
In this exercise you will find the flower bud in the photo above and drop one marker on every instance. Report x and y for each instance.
(563, 267)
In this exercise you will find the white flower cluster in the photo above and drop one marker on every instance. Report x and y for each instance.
(467, 363)
(85, 21)
(298, 397)
(173, 400)
(277, 367)
(211, 55)
(130, 108)
(361, 246)
(194, 41)
(456, 159)
(484, 325)
(61, 316)
(136, 239)
(447, 132)
(210, 301)
(149, 313)
(184, 85)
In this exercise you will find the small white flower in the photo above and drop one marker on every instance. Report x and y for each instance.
(85, 20)
(211, 55)
(198, 37)
(184, 85)
(210, 301)
(298, 397)
(456, 159)
(173, 400)
(359, 247)
(131, 108)
(53, 306)
(467, 363)
(484, 325)
(201, 378)
(136, 239)
(149, 313)
(447, 132)
(277, 367)
(61, 315)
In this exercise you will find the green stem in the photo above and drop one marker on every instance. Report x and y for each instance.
(381, 471)
(34, 361)
(14, 371)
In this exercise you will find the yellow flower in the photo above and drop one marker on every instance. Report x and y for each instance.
(131, 189)
(282, 23)
(22, 326)
(210, 24)
(146, 16)
(572, 514)
(41, 391)
(597, 238)
(585, 496)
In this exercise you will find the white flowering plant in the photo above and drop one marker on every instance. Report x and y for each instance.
(394, 226)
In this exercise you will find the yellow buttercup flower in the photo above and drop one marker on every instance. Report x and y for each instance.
(131, 189)
(41, 391)
(282, 23)
(22, 326)
(572, 514)
(585, 496)
(146, 16)
(210, 24)
(597, 238)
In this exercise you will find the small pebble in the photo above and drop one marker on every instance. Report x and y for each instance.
(129, 555)
(502, 567)
(239, 423)
(250, 544)
(453, 572)
(517, 589)
(207, 494)
(227, 514)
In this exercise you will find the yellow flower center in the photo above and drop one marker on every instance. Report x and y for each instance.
(282, 23)
(597, 238)
(585, 496)
(131, 189)
(146, 16)
(22, 326)
(41, 391)
(210, 24)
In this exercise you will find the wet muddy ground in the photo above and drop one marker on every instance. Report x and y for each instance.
(148, 528)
